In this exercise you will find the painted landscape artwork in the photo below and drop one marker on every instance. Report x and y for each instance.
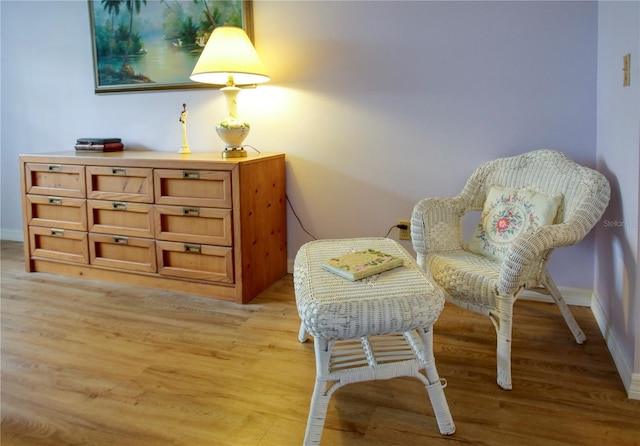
(154, 44)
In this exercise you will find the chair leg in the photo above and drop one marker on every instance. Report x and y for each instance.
(550, 285)
(303, 336)
(435, 389)
(504, 325)
(504, 361)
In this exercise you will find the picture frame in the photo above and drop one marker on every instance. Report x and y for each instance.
(152, 45)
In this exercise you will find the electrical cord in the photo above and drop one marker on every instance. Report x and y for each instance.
(395, 226)
(298, 218)
(250, 146)
(398, 226)
(288, 201)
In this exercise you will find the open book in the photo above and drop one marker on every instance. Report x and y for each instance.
(357, 265)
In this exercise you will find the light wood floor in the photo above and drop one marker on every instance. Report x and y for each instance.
(89, 363)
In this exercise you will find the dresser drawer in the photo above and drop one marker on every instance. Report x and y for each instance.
(201, 188)
(57, 212)
(55, 179)
(58, 244)
(121, 218)
(193, 261)
(130, 253)
(193, 225)
(120, 184)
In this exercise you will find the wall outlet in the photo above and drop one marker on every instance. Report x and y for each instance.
(405, 234)
(626, 70)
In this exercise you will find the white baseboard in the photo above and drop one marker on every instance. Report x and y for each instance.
(630, 380)
(634, 387)
(14, 236)
(290, 266)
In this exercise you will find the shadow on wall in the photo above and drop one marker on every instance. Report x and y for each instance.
(334, 204)
(618, 270)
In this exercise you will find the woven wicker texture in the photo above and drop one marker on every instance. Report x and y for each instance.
(490, 287)
(379, 327)
(332, 307)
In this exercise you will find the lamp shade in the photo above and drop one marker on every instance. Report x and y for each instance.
(229, 53)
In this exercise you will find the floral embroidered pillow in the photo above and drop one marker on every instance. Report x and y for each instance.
(508, 213)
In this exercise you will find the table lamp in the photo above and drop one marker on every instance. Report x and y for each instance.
(229, 58)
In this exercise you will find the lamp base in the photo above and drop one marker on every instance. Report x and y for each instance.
(232, 130)
(234, 153)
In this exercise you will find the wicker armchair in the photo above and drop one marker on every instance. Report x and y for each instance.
(489, 286)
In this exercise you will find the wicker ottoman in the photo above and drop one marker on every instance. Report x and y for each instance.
(379, 327)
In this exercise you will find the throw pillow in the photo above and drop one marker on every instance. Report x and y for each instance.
(508, 213)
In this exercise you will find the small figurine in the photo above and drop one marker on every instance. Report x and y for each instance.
(183, 119)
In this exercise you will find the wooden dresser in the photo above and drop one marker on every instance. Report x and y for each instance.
(192, 223)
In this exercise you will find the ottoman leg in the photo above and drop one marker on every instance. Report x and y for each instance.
(320, 398)
(317, 414)
(436, 386)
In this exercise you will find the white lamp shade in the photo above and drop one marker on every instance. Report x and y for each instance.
(229, 52)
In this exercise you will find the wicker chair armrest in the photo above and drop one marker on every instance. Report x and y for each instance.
(436, 224)
(525, 257)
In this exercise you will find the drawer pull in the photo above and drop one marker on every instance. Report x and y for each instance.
(54, 168)
(191, 212)
(191, 174)
(191, 247)
(57, 233)
(118, 171)
(119, 206)
(57, 201)
(120, 240)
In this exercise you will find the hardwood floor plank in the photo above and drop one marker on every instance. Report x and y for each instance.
(93, 363)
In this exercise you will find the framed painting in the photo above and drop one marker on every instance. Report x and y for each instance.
(145, 45)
